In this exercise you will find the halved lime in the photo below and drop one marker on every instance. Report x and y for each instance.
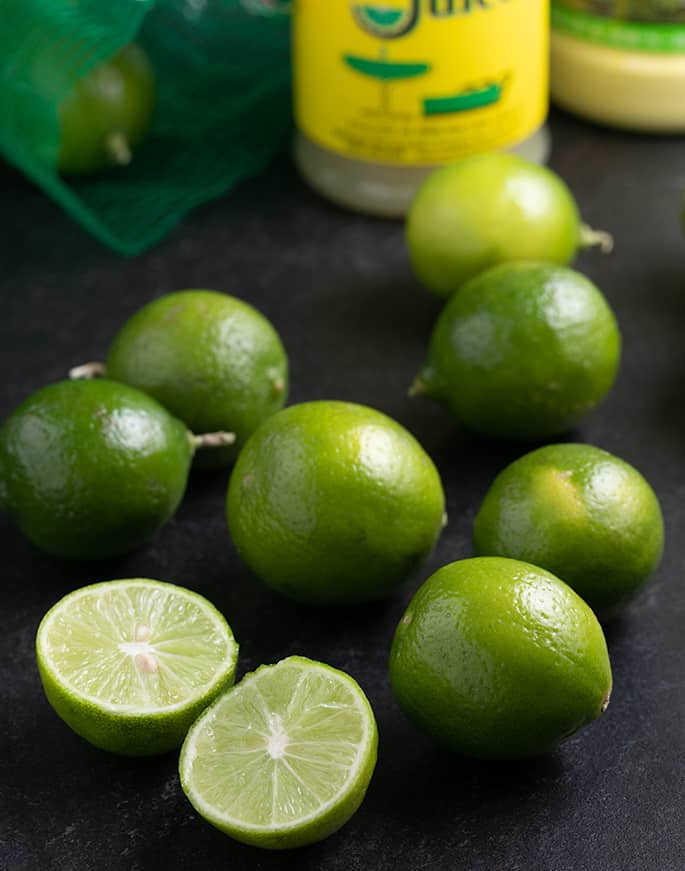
(285, 757)
(130, 664)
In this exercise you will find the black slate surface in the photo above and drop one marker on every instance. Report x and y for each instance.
(338, 288)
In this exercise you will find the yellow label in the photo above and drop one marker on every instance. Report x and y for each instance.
(420, 82)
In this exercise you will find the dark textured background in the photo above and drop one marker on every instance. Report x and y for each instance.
(338, 288)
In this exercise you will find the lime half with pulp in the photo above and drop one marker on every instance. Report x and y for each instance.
(284, 758)
(130, 664)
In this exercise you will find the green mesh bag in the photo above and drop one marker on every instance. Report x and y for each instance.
(223, 102)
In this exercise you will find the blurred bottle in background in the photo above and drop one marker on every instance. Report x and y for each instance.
(387, 92)
(621, 62)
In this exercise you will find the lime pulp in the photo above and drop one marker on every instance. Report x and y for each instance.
(284, 758)
(130, 664)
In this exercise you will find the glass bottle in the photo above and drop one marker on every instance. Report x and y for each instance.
(385, 93)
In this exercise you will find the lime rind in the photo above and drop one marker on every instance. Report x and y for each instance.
(284, 758)
(130, 664)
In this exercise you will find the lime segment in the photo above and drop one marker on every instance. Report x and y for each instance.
(129, 664)
(284, 758)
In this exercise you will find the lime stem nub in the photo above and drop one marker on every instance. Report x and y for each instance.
(212, 440)
(118, 148)
(605, 703)
(418, 387)
(87, 371)
(590, 238)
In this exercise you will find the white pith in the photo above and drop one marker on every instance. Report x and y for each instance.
(133, 648)
(277, 741)
(275, 746)
(146, 656)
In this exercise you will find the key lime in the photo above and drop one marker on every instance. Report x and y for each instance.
(580, 513)
(212, 360)
(284, 758)
(129, 665)
(499, 659)
(524, 351)
(332, 502)
(90, 469)
(107, 114)
(487, 210)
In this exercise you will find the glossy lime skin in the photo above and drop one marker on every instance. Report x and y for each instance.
(487, 210)
(580, 513)
(499, 659)
(212, 360)
(523, 351)
(332, 502)
(90, 469)
(116, 97)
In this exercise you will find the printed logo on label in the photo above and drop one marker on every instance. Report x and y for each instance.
(396, 19)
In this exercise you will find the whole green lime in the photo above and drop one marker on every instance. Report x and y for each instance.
(212, 360)
(523, 351)
(499, 659)
(580, 513)
(107, 114)
(486, 210)
(332, 502)
(90, 469)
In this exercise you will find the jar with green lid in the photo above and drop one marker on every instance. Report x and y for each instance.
(621, 62)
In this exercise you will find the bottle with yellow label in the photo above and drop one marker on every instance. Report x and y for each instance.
(386, 92)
